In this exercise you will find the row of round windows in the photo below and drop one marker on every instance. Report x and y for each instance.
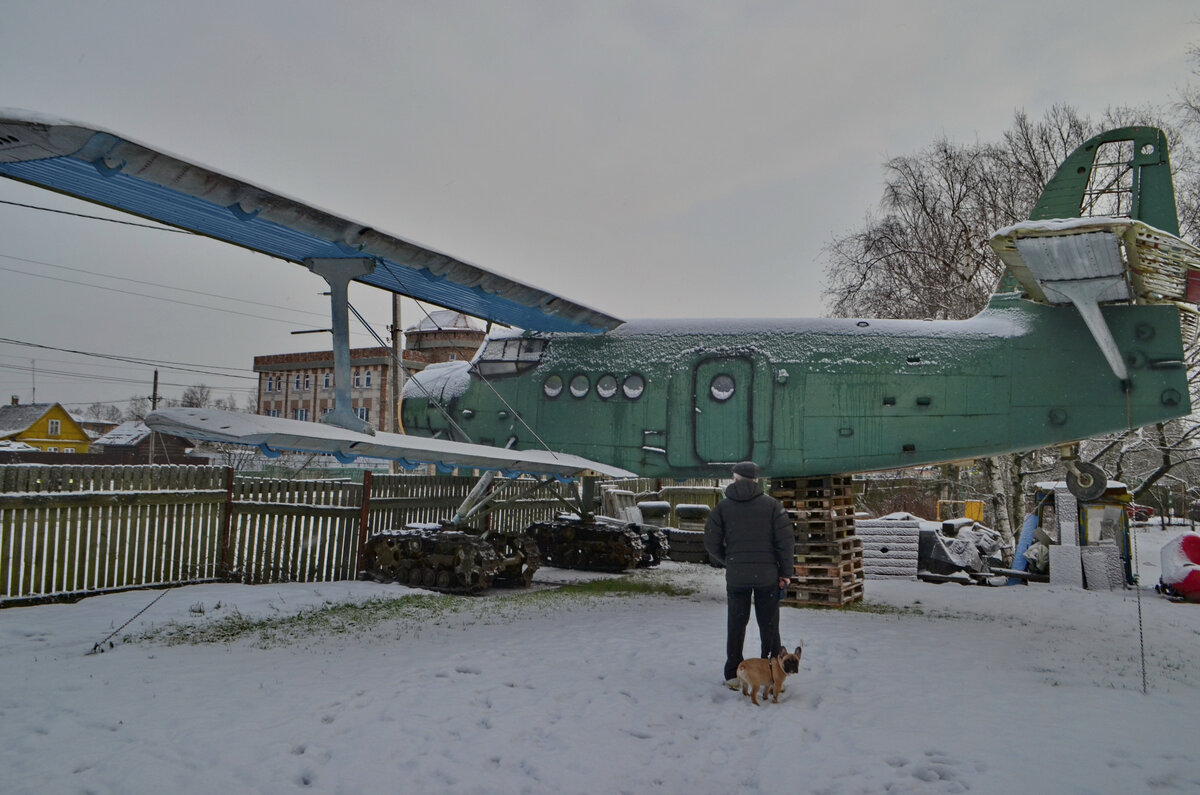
(721, 388)
(606, 386)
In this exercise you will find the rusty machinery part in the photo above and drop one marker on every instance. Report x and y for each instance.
(600, 544)
(654, 539)
(452, 561)
(519, 559)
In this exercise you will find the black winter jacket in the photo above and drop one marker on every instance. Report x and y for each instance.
(750, 533)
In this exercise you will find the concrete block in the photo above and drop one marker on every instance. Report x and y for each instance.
(1065, 566)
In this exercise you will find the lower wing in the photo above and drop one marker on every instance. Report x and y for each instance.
(275, 434)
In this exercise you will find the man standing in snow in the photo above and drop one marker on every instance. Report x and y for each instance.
(750, 534)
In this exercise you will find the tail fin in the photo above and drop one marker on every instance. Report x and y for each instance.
(1105, 231)
(1122, 173)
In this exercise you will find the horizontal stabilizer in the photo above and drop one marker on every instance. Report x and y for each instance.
(1123, 259)
(275, 434)
(101, 167)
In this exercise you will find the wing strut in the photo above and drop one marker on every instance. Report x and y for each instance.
(339, 273)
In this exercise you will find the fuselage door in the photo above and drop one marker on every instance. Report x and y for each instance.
(723, 392)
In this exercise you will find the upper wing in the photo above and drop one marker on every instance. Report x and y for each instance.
(101, 167)
(272, 434)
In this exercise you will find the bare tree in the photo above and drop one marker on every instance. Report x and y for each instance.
(137, 408)
(239, 457)
(1188, 189)
(927, 254)
(102, 412)
(196, 396)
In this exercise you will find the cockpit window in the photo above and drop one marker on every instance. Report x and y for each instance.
(509, 356)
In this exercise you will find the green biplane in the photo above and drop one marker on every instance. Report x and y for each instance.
(1085, 335)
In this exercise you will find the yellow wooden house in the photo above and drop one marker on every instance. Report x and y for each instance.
(46, 426)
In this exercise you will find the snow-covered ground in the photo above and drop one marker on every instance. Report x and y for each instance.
(944, 688)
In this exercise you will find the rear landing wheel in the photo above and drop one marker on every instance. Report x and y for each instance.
(1089, 484)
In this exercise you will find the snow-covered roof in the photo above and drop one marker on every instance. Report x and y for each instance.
(127, 434)
(14, 419)
(1047, 485)
(444, 320)
(10, 446)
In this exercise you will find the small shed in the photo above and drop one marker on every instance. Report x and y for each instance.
(135, 440)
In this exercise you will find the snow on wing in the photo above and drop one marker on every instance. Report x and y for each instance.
(272, 434)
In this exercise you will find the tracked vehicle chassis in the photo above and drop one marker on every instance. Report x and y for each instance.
(453, 561)
(599, 544)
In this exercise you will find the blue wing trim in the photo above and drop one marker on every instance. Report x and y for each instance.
(100, 167)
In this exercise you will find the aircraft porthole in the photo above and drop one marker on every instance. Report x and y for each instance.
(1148, 149)
(580, 385)
(606, 387)
(722, 387)
(634, 386)
(553, 386)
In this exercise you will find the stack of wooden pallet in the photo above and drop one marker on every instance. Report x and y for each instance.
(829, 557)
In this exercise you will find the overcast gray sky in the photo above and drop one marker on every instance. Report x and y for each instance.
(678, 159)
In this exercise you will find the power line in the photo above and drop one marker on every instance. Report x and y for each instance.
(187, 367)
(157, 284)
(99, 218)
(112, 379)
(153, 227)
(144, 295)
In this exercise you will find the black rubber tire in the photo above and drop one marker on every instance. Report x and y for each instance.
(1090, 484)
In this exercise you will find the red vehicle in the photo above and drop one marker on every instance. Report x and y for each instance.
(1139, 513)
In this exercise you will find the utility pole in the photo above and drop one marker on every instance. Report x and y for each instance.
(397, 373)
(153, 406)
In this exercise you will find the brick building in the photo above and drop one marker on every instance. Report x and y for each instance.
(299, 386)
(443, 336)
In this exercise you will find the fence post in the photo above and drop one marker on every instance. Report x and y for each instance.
(225, 552)
(363, 515)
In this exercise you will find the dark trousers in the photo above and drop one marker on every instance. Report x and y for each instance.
(766, 613)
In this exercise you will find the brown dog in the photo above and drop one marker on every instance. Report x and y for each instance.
(767, 673)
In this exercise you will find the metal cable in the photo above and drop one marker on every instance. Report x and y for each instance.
(420, 386)
(99, 647)
(1137, 582)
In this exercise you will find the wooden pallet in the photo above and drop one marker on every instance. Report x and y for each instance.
(844, 569)
(829, 566)
(828, 549)
(814, 533)
(823, 483)
(833, 597)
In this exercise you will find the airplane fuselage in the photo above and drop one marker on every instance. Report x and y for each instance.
(680, 399)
